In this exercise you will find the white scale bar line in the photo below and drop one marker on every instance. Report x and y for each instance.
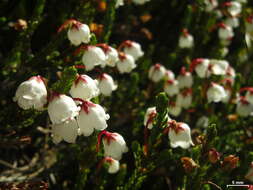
(237, 185)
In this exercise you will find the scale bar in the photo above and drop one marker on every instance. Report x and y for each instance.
(238, 185)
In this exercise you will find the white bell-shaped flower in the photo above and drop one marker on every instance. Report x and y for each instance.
(113, 165)
(179, 135)
(111, 54)
(210, 5)
(92, 116)
(219, 67)
(84, 87)
(93, 56)
(106, 84)
(126, 63)
(174, 109)
(184, 98)
(169, 75)
(132, 48)
(66, 131)
(31, 94)
(232, 22)
(171, 87)
(61, 108)
(234, 8)
(119, 3)
(225, 32)
(243, 107)
(185, 79)
(216, 93)
(249, 175)
(79, 33)
(149, 117)
(201, 67)
(156, 72)
(186, 40)
(114, 144)
(140, 2)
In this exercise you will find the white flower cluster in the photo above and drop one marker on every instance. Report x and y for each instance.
(76, 114)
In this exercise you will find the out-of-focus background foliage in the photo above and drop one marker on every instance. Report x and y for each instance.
(28, 156)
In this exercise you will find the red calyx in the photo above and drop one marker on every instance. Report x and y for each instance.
(187, 92)
(53, 95)
(222, 25)
(183, 71)
(226, 4)
(104, 47)
(170, 81)
(68, 23)
(38, 78)
(80, 66)
(122, 56)
(250, 19)
(157, 66)
(243, 100)
(171, 103)
(102, 76)
(85, 105)
(81, 48)
(176, 126)
(109, 137)
(195, 62)
(227, 81)
(250, 89)
(80, 78)
(185, 32)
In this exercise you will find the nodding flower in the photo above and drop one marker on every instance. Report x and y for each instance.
(92, 116)
(84, 87)
(114, 144)
(77, 33)
(156, 72)
(131, 48)
(32, 94)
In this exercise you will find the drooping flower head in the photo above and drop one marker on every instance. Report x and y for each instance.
(156, 72)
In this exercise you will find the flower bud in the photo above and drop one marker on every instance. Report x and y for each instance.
(114, 144)
(126, 63)
(213, 156)
(133, 48)
(216, 93)
(189, 164)
(31, 94)
(66, 131)
(156, 72)
(113, 165)
(119, 3)
(61, 108)
(84, 87)
(106, 84)
(92, 116)
(171, 87)
(186, 40)
(179, 134)
(93, 56)
(230, 162)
